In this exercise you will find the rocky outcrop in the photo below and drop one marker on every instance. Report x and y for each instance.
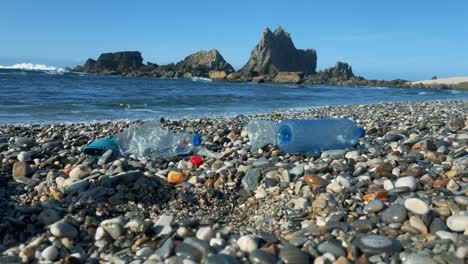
(340, 72)
(288, 77)
(202, 62)
(276, 53)
(217, 75)
(123, 61)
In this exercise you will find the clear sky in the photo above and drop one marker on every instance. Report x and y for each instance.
(410, 39)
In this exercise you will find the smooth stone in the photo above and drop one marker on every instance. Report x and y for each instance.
(247, 243)
(185, 250)
(166, 249)
(220, 259)
(333, 248)
(447, 235)
(144, 252)
(457, 223)
(297, 171)
(79, 172)
(461, 200)
(205, 233)
(24, 156)
(21, 169)
(107, 157)
(418, 258)
(163, 225)
(113, 226)
(50, 253)
(408, 181)
(436, 225)
(417, 223)
(77, 186)
(250, 180)
(394, 214)
(375, 244)
(259, 256)
(291, 254)
(335, 154)
(128, 177)
(299, 203)
(63, 229)
(260, 194)
(374, 206)
(416, 206)
(48, 216)
(28, 141)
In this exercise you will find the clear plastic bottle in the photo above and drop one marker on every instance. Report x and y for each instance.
(307, 136)
(261, 133)
(149, 140)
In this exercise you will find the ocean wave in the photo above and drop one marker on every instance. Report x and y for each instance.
(201, 79)
(33, 67)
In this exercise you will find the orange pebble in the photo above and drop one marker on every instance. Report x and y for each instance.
(232, 136)
(175, 177)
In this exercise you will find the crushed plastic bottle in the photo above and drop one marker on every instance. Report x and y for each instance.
(305, 136)
(149, 140)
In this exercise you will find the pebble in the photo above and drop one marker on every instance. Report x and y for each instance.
(291, 254)
(163, 225)
(436, 225)
(28, 141)
(247, 243)
(416, 206)
(50, 253)
(375, 244)
(250, 181)
(21, 169)
(220, 259)
(338, 153)
(175, 177)
(419, 258)
(333, 248)
(107, 157)
(205, 233)
(260, 194)
(374, 206)
(259, 256)
(447, 235)
(63, 229)
(24, 156)
(408, 181)
(79, 172)
(114, 227)
(48, 216)
(418, 224)
(166, 249)
(394, 214)
(457, 223)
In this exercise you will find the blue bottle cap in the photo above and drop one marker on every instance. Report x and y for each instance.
(362, 132)
(197, 139)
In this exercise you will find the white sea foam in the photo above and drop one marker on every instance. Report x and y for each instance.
(32, 67)
(201, 79)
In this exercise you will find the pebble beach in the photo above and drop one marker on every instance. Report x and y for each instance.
(399, 196)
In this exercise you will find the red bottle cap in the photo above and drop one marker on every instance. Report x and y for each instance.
(196, 160)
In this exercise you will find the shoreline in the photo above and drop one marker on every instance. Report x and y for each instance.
(400, 194)
(249, 115)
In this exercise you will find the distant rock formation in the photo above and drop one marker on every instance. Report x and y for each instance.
(113, 62)
(288, 77)
(340, 72)
(202, 62)
(130, 63)
(276, 53)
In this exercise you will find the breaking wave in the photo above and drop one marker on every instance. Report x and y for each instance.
(32, 67)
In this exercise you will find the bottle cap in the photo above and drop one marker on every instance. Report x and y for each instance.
(362, 132)
(197, 139)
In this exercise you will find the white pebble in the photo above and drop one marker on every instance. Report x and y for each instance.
(458, 223)
(447, 235)
(260, 194)
(247, 243)
(50, 253)
(408, 181)
(388, 185)
(417, 206)
(205, 233)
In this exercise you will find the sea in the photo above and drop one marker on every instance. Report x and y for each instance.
(42, 95)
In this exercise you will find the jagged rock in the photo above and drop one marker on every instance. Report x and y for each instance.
(217, 75)
(202, 62)
(113, 62)
(288, 77)
(340, 72)
(276, 53)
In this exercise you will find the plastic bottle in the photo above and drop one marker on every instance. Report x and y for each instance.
(306, 136)
(149, 140)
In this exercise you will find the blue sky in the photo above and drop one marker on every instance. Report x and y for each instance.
(414, 39)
